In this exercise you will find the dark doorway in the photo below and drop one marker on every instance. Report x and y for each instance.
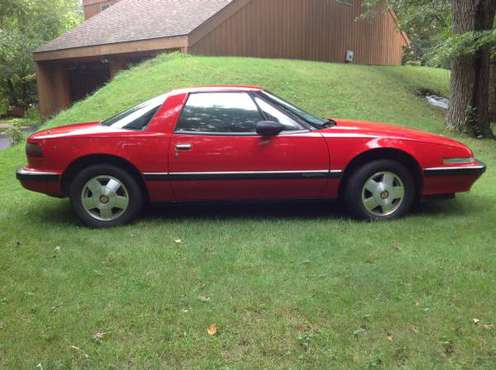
(86, 78)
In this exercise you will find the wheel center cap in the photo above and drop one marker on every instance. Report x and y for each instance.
(104, 199)
(385, 195)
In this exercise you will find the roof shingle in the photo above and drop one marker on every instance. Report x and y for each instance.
(134, 20)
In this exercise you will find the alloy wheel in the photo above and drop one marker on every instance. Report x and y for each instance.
(105, 198)
(383, 194)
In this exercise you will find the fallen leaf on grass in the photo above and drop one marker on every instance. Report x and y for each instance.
(204, 298)
(99, 336)
(77, 349)
(212, 330)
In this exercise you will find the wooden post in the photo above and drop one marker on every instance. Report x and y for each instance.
(53, 88)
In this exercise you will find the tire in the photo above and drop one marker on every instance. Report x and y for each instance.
(380, 190)
(105, 196)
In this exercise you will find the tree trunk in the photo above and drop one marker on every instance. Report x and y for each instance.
(484, 22)
(492, 92)
(469, 87)
(462, 69)
(461, 91)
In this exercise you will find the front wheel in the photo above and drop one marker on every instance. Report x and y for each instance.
(105, 196)
(380, 190)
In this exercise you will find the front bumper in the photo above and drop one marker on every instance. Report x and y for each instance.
(451, 180)
(471, 170)
(40, 181)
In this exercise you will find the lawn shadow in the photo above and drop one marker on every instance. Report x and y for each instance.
(60, 212)
(247, 210)
(323, 209)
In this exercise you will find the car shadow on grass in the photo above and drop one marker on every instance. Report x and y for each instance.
(61, 213)
(251, 210)
(297, 210)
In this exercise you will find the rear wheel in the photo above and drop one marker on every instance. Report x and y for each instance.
(105, 196)
(380, 190)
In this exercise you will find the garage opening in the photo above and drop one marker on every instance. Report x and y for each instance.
(86, 77)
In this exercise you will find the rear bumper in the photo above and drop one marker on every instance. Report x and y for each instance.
(40, 181)
(23, 174)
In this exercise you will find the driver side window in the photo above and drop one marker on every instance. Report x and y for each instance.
(228, 113)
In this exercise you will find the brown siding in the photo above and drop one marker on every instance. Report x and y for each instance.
(305, 29)
(53, 88)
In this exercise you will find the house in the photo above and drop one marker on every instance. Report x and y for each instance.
(119, 33)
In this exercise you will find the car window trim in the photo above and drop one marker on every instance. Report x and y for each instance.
(216, 133)
(304, 128)
(244, 134)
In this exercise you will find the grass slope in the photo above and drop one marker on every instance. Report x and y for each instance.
(289, 286)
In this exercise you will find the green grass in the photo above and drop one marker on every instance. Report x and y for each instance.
(290, 286)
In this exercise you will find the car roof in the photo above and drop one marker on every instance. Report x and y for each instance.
(214, 88)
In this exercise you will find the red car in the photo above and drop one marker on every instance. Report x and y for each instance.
(240, 143)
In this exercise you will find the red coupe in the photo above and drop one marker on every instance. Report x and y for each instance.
(240, 143)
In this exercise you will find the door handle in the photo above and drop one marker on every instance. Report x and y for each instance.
(183, 147)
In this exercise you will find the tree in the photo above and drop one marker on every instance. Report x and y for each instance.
(459, 34)
(427, 23)
(25, 25)
(470, 72)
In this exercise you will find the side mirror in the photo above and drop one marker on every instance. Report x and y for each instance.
(269, 128)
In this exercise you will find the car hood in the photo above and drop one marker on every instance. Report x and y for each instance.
(355, 128)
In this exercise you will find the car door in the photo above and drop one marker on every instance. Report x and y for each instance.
(216, 153)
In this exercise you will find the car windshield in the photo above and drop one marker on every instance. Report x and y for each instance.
(312, 120)
(138, 117)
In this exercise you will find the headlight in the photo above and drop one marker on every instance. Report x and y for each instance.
(459, 160)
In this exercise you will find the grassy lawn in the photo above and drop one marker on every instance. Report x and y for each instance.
(288, 286)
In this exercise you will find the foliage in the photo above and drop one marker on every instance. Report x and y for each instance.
(4, 105)
(33, 115)
(289, 286)
(25, 25)
(427, 23)
(465, 44)
(15, 134)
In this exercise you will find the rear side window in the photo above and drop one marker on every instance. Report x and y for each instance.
(219, 113)
(136, 118)
(142, 121)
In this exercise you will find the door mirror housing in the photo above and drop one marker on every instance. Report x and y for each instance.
(269, 128)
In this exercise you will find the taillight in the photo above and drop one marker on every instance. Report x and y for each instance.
(34, 150)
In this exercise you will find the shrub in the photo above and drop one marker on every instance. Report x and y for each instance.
(15, 135)
(4, 106)
(33, 115)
